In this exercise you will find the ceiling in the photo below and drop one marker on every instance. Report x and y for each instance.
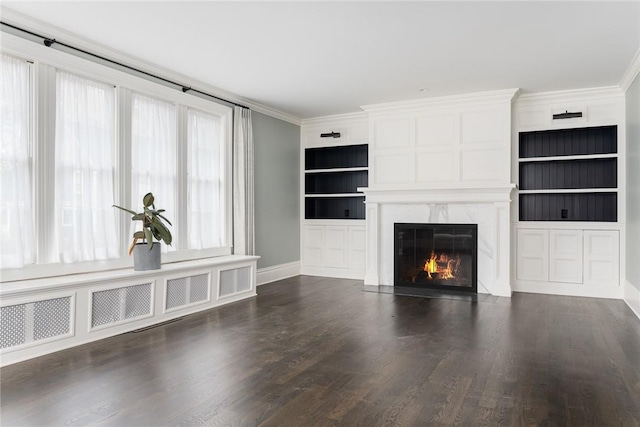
(311, 59)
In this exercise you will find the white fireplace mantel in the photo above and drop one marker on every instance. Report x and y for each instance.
(441, 194)
(486, 205)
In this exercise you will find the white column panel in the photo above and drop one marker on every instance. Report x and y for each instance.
(437, 130)
(392, 132)
(372, 228)
(357, 247)
(434, 167)
(335, 253)
(533, 254)
(602, 257)
(565, 256)
(482, 126)
(313, 245)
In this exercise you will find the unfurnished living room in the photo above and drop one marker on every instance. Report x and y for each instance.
(367, 213)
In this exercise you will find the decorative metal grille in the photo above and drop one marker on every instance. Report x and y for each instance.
(176, 292)
(243, 279)
(199, 288)
(227, 282)
(12, 325)
(51, 318)
(24, 323)
(236, 280)
(138, 301)
(115, 305)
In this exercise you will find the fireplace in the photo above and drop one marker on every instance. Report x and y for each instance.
(436, 256)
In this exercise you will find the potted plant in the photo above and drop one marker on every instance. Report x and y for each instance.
(146, 254)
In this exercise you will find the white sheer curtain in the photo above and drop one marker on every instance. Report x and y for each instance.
(153, 157)
(84, 146)
(17, 241)
(243, 203)
(205, 179)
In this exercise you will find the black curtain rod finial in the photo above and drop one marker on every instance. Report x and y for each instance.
(49, 42)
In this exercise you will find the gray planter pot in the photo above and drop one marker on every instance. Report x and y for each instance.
(145, 259)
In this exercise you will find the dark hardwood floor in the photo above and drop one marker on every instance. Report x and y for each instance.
(312, 351)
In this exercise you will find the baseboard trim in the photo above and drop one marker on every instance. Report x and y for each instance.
(338, 273)
(568, 289)
(277, 272)
(632, 297)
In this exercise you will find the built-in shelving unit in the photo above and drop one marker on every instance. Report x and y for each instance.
(569, 175)
(332, 177)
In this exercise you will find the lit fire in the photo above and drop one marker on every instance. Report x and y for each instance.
(442, 265)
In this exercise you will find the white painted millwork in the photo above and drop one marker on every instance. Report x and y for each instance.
(457, 141)
(332, 248)
(353, 129)
(442, 160)
(88, 307)
(601, 257)
(533, 254)
(568, 261)
(581, 258)
(565, 256)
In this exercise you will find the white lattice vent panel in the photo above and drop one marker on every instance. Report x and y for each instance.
(234, 281)
(34, 321)
(187, 290)
(117, 305)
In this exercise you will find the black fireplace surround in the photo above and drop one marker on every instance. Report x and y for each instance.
(436, 256)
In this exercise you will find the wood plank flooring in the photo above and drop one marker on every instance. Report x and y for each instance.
(312, 351)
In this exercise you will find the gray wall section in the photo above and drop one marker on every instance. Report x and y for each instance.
(633, 183)
(277, 190)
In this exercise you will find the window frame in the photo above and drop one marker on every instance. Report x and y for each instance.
(45, 63)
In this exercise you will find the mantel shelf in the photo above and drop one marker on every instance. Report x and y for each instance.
(442, 194)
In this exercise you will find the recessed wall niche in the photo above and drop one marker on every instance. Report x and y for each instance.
(569, 175)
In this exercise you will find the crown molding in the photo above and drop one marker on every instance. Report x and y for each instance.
(568, 95)
(631, 73)
(14, 18)
(360, 115)
(489, 97)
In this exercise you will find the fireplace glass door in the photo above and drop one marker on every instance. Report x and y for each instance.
(436, 256)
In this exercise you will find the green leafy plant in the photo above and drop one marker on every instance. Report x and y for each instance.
(152, 223)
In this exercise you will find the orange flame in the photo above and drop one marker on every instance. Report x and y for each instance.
(442, 265)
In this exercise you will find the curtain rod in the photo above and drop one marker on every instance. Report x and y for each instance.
(50, 42)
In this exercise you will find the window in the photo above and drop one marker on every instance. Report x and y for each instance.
(205, 181)
(84, 164)
(154, 155)
(95, 137)
(17, 240)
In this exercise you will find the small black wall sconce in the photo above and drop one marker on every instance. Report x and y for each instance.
(330, 135)
(567, 115)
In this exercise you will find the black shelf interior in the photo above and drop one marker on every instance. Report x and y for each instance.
(569, 142)
(335, 183)
(594, 207)
(334, 207)
(348, 156)
(570, 174)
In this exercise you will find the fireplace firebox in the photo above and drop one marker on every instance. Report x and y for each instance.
(436, 256)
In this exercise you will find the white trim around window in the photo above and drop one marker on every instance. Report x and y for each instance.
(46, 61)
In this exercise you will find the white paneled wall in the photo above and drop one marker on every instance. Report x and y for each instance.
(463, 140)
